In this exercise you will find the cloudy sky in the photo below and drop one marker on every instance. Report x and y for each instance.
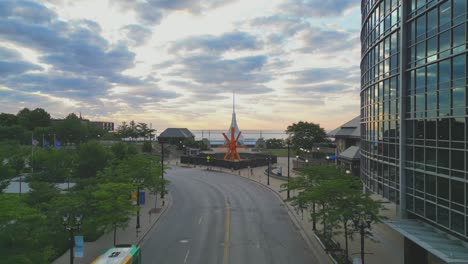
(175, 63)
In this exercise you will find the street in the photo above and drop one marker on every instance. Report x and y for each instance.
(222, 218)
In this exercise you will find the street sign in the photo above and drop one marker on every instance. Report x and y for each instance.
(134, 198)
(142, 198)
(208, 158)
(79, 247)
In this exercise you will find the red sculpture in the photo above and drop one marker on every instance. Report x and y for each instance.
(232, 145)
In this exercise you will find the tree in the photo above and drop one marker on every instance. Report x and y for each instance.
(70, 129)
(305, 134)
(8, 119)
(274, 143)
(147, 147)
(92, 157)
(111, 205)
(122, 150)
(32, 119)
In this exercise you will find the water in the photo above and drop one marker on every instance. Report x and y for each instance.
(218, 134)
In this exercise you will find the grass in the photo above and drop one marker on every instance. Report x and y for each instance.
(278, 152)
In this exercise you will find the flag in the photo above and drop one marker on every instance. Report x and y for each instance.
(79, 247)
(35, 142)
(45, 143)
(57, 143)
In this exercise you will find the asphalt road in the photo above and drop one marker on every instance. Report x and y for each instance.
(222, 218)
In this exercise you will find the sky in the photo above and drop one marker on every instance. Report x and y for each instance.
(176, 63)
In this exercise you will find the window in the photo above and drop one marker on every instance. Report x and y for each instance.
(458, 223)
(430, 184)
(431, 129)
(458, 159)
(457, 192)
(443, 216)
(443, 158)
(443, 187)
(458, 129)
(431, 157)
(431, 211)
(443, 129)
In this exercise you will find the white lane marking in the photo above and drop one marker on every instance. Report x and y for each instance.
(183, 241)
(199, 220)
(186, 256)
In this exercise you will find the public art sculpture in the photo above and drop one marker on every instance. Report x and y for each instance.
(232, 145)
(231, 138)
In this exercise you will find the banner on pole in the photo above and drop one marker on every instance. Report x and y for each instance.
(79, 246)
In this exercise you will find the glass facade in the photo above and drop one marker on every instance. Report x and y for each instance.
(414, 59)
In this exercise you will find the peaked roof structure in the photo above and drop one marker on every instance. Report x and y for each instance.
(176, 133)
(351, 153)
(234, 121)
(351, 129)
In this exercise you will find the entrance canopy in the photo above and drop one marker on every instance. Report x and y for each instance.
(438, 243)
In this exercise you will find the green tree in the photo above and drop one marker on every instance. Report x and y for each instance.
(305, 134)
(147, 147)
(32, 119)
(274, 143)
(92, 157)
(70, 129)
(8, 119)
(122, 150)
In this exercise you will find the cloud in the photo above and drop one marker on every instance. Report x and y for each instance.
(11, 63)
(319, 75)
(83, 64)
(231, 41)
(137, 35)
(328, 40)
(317, 8)
(26, 10)
(336, 87)
(210, 69)
(152, 11)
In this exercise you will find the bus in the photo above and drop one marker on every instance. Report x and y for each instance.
(120, 254)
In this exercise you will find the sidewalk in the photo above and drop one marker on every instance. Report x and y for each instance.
(128, 235)
(386, 246)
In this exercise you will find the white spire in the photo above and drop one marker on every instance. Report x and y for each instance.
(234, 120)
(233, 101)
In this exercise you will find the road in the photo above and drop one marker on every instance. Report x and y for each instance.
(222, 218)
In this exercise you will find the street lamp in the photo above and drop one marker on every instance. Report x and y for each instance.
(361, 222)
(289, 145)
(269, 162)
(72, 224)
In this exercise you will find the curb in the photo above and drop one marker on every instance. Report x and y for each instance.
(163, 212)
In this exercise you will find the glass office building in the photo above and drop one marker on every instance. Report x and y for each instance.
(414, 118)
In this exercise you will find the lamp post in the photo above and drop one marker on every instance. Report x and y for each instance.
(162, 171)
(138, 205)
(289, 144)
(361, 222)
(72, 224)
(268, 179)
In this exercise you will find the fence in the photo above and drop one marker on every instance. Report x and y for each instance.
(216, 160)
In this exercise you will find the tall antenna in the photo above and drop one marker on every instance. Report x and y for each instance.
(233, 101)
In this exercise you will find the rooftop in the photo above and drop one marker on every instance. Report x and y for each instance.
(350, 129)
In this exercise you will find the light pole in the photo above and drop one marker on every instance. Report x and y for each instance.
(72, 224)
(289, 144)
(268, 180)
(162, 171)
(361, 222)
(138, 205)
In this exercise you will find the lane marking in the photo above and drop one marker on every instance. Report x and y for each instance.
(186, 256)
(199, 220)
(227, 226)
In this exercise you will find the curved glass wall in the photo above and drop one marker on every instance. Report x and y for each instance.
(380, 95)
(435, 98)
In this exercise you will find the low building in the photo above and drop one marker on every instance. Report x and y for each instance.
(347, 140)
(175, 135)
(107, 126)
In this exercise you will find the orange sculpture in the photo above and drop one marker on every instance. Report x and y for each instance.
(232, 145)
